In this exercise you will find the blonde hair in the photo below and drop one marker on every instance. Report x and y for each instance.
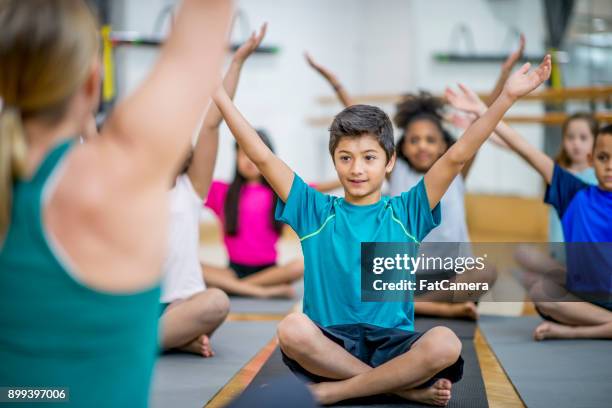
(46, 49)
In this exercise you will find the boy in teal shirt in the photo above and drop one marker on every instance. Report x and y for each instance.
(354, 349)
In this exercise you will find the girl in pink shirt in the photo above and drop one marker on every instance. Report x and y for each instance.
(245, 208)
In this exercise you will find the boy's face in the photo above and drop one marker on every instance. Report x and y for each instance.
(602, 160)
(362, 165)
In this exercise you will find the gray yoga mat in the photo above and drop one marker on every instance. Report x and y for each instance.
(467, 393)
(184, 380)
(464, 329)
(266, 306)
(552, 373)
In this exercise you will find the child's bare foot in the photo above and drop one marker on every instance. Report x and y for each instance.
(467, 309)
(207, 350)
(278, 291)
(439, 394)
(550, 330)
(200, 346)
(323, 392)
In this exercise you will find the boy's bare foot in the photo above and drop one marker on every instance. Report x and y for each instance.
(439, 394)
(550, 330)
(278, 291)
(323, 392)
(200, 346)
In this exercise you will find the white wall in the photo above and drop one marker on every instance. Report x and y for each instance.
(375, 46)
(495, 171)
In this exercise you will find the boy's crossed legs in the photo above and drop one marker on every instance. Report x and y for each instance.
(566, 315)
(571, 318)
(302, 340)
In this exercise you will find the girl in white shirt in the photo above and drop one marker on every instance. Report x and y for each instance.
(190, 312)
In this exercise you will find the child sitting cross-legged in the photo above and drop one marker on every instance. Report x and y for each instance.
(350, 348)
(575, 300)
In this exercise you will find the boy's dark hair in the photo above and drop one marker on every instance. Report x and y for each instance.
(604, 130)
(232, 199)
(357, 120)
(421, 106)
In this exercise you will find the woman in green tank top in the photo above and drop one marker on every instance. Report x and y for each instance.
(83, 227)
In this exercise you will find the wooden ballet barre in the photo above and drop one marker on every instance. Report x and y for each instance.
(590, 93)
(553, 118)
(548, 119)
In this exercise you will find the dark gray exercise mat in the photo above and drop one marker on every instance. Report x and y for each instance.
(266, 306)
(184, 380)
(464, 329)
(552, 373)
(467, 393)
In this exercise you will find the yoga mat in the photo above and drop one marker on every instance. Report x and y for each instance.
(279, 392)
(185, 380)
(266, 306)
(468, 393)
(464, 329)
(552, 373)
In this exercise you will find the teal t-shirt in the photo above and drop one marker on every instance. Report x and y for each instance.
(331, 231)
(57, 332)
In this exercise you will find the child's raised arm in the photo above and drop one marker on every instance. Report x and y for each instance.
(341, 93)
(506, 70)
(205, 152)
(152, 128)
(275, 171)
(467, 100)
(444, 170)
(535, 157)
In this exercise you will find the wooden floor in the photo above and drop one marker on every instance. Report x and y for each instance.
(500, 392)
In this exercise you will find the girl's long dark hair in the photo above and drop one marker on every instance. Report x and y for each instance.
(232, 200)
(421, 106)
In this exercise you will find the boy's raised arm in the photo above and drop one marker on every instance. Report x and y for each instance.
(444, 170)
(341, 93)
(467, 100)
(275, 171)
(535, 157)
(205, 152)
(506, 70)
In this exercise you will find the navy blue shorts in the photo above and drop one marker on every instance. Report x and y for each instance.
(374, 346)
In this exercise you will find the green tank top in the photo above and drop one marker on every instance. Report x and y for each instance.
(57, 332)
